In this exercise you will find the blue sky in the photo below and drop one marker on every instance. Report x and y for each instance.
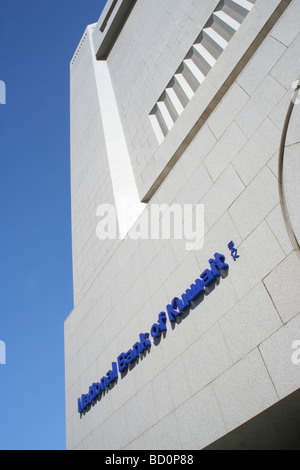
(37, 41)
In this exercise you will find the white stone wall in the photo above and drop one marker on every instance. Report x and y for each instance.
(91, 183)
(147, 55)
(145, 60)
(230, 358)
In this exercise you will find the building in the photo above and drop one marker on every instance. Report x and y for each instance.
(185, 104)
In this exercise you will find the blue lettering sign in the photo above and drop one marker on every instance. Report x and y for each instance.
(158, 328)
(124, 359)
(162, 320)
(233, 250)
(174, 310)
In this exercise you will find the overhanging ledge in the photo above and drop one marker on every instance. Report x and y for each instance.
(109, 25)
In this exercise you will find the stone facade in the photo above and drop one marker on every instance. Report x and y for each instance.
(230, 357)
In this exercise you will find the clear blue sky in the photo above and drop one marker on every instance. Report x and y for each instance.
(37, 41)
